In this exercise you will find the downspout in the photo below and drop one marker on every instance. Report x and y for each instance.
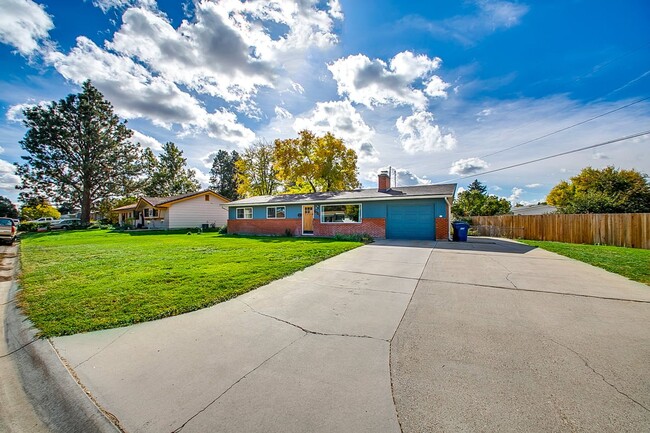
(448, 218)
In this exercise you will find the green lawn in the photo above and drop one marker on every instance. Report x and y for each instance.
(87, 280)
(633, 263)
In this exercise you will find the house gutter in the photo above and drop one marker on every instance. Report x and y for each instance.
(326, 201)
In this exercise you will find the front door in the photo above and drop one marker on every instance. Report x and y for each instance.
(308, 219)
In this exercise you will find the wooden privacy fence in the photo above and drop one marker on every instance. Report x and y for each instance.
(619, 229)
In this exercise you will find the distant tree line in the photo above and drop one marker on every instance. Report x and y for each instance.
(81, 155)
(475, 201)
(608, 190)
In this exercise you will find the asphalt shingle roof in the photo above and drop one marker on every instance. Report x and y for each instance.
(420, 191)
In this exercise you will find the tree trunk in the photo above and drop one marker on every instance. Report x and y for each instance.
(85, 205)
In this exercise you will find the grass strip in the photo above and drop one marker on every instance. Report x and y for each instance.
(88, 280)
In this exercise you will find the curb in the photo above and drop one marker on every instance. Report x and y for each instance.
(57, 398)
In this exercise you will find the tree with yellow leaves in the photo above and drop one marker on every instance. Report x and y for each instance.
(315, 164)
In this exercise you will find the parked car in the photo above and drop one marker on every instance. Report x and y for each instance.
(43, 220)
(7, 230)
(67, 224)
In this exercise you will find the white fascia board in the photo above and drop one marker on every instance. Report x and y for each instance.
(348, 200)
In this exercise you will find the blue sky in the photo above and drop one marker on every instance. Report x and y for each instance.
(437, 89)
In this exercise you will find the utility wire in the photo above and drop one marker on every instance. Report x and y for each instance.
(595, 71)
(616, 140)
(567, 127)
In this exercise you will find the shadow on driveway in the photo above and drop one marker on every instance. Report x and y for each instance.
(492, 245)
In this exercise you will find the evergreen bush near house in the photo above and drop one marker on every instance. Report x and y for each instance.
(356, 237)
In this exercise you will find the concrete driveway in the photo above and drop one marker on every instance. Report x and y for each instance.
(484, 336)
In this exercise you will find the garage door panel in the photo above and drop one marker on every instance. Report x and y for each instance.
(410, 222)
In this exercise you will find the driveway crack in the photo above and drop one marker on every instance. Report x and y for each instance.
(390, 345)
(586, 362)
(309, 331)
(101, 350)
(182, 426)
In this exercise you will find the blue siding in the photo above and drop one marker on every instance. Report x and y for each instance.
(373, 209)
(259, 212)
(405, 219)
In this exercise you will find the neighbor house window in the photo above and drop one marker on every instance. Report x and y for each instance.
(207, 197)
(244, 213)
(150, 213)
(340, 213)
(276, 212)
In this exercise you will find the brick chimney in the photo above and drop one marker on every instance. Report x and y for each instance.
(383, 181)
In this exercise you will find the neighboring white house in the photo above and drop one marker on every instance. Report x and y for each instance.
(195, 209)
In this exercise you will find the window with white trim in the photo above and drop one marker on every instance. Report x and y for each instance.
(275, 212)
(244, 213)
(340, 213)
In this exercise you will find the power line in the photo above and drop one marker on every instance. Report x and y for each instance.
(596, 70)
(567, 127)
(616, 140)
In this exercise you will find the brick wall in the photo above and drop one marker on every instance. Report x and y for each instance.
(375, 227)
(265, 226)
(442, 228)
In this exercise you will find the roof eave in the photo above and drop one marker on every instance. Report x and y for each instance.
(342, 200)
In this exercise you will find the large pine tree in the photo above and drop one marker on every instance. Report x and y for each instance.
(223, 174)
(168, 175)
(78, 152)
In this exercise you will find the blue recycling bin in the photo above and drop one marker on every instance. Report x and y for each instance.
(460, 231)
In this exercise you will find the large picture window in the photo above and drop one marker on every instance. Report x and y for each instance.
(244, 213)
(276, 212)
(340, 213)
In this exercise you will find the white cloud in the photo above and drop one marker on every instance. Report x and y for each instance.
(282, 113)
(343, 121)
(23, 24)
(106, 5)
(146, 140)
(468, 166)
(496, 188)
(599, 155)
(208, 54)
(15, 112)
(8, 177)
(533, 185)
(203, 178)
(490, 16)
(136, 93)
(404, 177)
(515, 197)
(407, 178)
(297, 87)
(373, 82)
(436, 87)
(418, 133)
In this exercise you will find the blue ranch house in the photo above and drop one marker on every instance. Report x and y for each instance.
(408, 212)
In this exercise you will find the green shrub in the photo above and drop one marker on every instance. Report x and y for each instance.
(31, 226)
(356, 237)
(223, 229)
(288, 233)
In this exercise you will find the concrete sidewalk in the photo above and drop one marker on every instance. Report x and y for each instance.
(309, 352)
